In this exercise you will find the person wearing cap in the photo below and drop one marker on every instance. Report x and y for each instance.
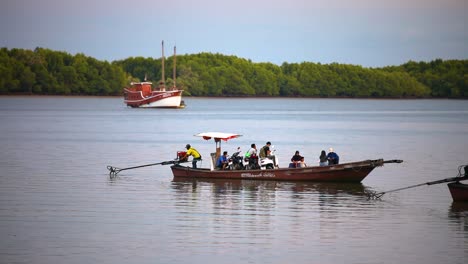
(194, 153)
(297, 161)
(222, 161)
(332, 157)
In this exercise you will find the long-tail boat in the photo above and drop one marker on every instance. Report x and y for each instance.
(458, 190)
(345, 172)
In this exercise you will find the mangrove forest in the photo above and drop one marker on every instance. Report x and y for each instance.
(48, 72)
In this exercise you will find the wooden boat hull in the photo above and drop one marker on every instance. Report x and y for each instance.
(346, 172)
(459, 191)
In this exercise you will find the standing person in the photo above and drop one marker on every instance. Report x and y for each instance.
(265, 150)
(222, 161)
(332, 157)
(194, 153)
(297, 161)
(323, 158)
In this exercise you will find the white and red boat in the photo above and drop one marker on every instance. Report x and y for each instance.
(142, 94)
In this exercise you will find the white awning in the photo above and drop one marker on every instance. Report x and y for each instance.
(217, 136)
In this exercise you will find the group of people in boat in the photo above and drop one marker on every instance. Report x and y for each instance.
(251, 157)
(297, 161)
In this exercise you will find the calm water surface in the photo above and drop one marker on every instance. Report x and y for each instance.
(58, 204)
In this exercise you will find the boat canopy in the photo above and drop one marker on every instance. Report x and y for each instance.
(217, 136)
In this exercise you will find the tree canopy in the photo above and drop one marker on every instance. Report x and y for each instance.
(44, 71)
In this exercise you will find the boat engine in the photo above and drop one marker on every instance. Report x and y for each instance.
(181, 156)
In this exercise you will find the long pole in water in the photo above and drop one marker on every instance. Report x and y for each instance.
(113, 171)
(375, 195)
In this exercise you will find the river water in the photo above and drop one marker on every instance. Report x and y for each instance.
(59, 205)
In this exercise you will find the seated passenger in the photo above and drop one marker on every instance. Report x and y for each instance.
(222, 161)
(252, 158)
(332, 157)
(251, 152)
(323, 159)
(265, 150)
(297, 161)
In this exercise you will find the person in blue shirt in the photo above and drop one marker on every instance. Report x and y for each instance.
(332, 157)
(222, 161)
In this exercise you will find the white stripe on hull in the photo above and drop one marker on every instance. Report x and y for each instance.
(173, 101)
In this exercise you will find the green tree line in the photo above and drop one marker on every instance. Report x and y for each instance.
(44, 71)
(444, 78)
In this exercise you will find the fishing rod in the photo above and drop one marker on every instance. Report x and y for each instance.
(113, 171)
(459, 177)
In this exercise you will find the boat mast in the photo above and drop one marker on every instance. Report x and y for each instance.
(162, 84)
(174, 70)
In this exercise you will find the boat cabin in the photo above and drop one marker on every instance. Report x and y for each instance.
(143, 87)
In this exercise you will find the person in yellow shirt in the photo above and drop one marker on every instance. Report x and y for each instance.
(194, 153)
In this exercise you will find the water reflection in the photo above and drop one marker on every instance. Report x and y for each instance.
(458, 213)
(458, 210)
(224, 187)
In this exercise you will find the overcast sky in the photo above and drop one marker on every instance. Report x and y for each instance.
(371, 33)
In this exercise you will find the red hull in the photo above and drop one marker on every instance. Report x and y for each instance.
(346, 172)
(459, 191)
(161, 99)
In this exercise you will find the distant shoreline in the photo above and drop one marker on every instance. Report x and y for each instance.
(240, 97)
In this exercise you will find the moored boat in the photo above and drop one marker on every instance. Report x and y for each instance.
(346, 172)
(142, 94)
